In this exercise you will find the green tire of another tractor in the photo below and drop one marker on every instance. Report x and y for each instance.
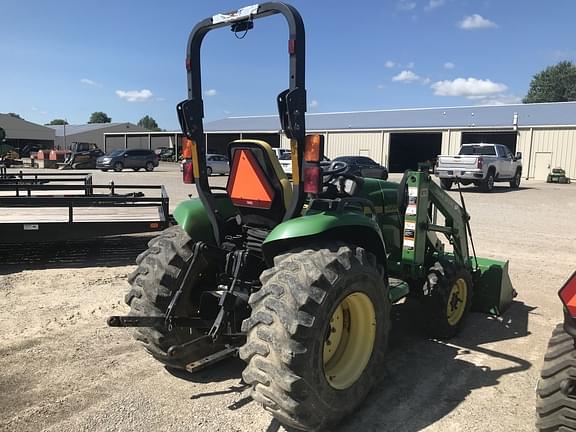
(447, 299)
(161, 269)
(556, 391)
(317, 335)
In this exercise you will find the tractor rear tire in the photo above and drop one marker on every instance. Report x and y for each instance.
(317, 335)
(447, 299)
(154, 283)
(446, 184)
(556, 391)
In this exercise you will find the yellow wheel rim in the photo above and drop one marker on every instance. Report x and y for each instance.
(349, 340)
(457, 301)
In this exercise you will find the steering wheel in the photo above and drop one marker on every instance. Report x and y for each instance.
(335, 168)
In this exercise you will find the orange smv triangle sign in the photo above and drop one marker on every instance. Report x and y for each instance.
(248, 185)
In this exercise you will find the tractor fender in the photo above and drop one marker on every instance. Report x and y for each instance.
(192, 217)
(349, 227)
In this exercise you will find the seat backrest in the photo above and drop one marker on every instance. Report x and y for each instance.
(257, 184)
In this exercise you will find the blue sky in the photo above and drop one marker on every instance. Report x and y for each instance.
(67, 59)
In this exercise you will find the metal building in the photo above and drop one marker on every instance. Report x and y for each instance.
(26, 136)
(90, 133)
(399, 139)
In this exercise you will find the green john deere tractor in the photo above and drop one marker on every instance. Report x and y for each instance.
(299, 277)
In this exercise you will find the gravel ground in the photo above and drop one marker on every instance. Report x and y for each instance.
(62, 369)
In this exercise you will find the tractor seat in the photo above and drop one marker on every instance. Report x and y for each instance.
(257, 185)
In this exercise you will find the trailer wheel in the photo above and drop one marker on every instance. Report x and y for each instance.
(556, 391)
(158, 276)
(446, 184)
(447, 299)
(118, 166)
(317, 334)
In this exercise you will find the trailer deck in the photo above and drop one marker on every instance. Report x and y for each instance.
(38, 207)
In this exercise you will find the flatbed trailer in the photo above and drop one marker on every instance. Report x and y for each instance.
(40, 207)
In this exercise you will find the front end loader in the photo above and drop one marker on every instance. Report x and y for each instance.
(298, 277)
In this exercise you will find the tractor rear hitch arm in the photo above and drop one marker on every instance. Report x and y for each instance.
(155, 321)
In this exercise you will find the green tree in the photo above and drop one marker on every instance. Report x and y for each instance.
(99, 117)
(11, 114)
(554, 84)
(148, 123)
(57, 122)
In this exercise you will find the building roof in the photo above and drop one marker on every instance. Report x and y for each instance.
(76, 129)
(19, 128)
(542, 114)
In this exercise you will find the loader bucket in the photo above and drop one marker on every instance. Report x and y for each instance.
(493, 292)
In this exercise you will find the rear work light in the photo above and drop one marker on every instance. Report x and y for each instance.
(187, 145)
(480, 163)
(313, 148)
(187, 172)
(313, 151)
(568, 295)
(312, 179)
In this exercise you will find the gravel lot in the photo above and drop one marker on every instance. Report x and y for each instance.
(62, 369)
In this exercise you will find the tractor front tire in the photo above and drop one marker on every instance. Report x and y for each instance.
(556, 391)
(317, 335)
(447, 299)
(161, 269)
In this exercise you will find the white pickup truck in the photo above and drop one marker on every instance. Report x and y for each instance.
(481, 164)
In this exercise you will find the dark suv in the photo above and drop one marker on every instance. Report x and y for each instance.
(363, 166)
(132, 158)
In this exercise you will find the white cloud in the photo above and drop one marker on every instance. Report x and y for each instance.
(406, 5)
(380, 86)
(314, 103)
(449, 65)
(210, 92)
(389, 64)
(406, 76)
(433, 4)
(135, 95)
(476, 21)
(499, 100)
(410, 65)
(471, 88)
(425, 81)
(90, 82)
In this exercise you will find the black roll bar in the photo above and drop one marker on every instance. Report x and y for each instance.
(291, 102)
